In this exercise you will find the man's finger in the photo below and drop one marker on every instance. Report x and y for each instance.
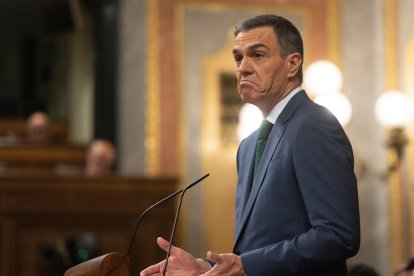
(163, 243)
(151, 270)
(214, 257)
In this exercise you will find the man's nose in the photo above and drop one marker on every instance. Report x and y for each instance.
(245, 66)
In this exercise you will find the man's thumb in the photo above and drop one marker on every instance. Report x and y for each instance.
(214, 257)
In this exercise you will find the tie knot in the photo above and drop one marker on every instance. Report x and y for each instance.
(265, 129)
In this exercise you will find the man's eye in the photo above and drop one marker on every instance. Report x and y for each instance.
(238, 58)
(258, 55)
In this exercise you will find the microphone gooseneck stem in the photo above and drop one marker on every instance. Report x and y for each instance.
(175, 221)
(131, 243)
(172, 233)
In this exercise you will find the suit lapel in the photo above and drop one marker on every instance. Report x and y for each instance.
(273, 141)
(246, 178)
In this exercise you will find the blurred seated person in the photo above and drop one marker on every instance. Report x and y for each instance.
(100, 158)
(407, 269)
(361, 270)
(37, 128)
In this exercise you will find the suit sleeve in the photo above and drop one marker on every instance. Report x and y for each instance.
(323, 165)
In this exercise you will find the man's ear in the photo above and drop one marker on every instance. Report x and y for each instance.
(294, 61)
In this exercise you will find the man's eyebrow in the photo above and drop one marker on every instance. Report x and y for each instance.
(258, 45)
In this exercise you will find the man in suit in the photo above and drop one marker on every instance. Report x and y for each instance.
(100, 158)
(38, 128)
(297, 205)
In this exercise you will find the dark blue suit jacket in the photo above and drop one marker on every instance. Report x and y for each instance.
(301, 216)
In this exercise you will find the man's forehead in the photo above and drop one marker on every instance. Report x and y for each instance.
(256, 35)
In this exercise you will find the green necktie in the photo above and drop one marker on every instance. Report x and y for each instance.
(264, 132)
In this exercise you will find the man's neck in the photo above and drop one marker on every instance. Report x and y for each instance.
(278, 108)
(289, 88)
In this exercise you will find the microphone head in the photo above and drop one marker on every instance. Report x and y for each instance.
(195, 182)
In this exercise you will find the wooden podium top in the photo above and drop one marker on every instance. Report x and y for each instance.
(112, 264)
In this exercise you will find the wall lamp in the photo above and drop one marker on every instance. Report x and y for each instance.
(392, 110)
(323, 80)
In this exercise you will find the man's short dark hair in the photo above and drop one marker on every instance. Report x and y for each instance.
(288, 36)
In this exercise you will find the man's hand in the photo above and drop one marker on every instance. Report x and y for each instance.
(226, 264)
(179, 263)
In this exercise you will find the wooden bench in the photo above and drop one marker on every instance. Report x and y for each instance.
(16, 127)
(38, 213)
(40, 158)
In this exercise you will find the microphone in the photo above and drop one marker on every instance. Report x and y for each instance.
(182, 191)
(116, 263)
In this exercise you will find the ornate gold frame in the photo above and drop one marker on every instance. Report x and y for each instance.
(214, 65)
(152, 122)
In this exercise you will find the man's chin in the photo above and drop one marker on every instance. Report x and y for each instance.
(248, 96)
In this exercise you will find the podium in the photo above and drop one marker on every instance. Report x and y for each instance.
(112, 264)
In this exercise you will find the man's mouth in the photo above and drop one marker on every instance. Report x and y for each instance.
(247, 82)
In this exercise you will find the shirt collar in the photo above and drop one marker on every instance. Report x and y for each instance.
(278, 108)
